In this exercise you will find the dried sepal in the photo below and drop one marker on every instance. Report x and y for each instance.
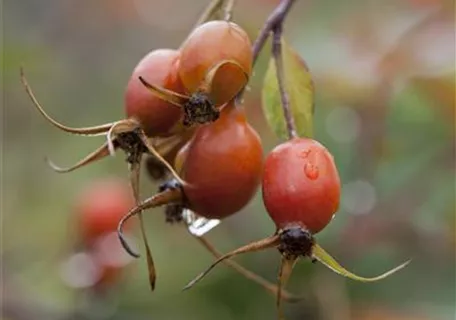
(322, 256)
(98, 154)
(85, 131)
(162, 198)
(286, 267)
(176, 99)
(215, 84)
(269, 242)
(135, 169)
(151, 148)
(268, 286)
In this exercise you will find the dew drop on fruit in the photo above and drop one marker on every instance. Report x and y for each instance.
(311, 171)
(310, 167)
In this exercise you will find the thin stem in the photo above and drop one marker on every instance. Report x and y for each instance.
(274, 21)
(278, 59)
(228, 11)
(208, 12)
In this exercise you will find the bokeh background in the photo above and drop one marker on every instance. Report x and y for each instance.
(384, 74)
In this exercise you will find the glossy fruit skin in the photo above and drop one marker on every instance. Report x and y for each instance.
(208, 45)
(222, 165)
(301, 185)
(100, 207)
(157, 117)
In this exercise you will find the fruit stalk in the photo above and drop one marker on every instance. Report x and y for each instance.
(208, 12)
(285, 99)
(274, 21)
(274, 24)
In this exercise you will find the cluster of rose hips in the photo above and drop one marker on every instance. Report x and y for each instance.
(180, 106)
(184, 112)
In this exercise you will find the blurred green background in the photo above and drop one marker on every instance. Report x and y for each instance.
(384, 75)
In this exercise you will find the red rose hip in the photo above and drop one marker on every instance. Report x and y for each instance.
(301, 185)
(156, 116)
(100, 207)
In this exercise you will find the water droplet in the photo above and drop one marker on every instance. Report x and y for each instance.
(310, 166)
(311, 171)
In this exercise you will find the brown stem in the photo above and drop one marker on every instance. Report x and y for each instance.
(273, 22)
(159, 199)
(273, 289)
(262, 244)
(277, 54)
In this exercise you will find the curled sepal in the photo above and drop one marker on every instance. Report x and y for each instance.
(262, 244)
(151, 148)
(176, 99)
(273, 289)
(96, 155)
(322, 256)
(165, 197)
(224, 81)
(85, 131)
(286, 267)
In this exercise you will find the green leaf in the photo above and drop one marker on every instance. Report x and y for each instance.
(300, 89)
(321, 255)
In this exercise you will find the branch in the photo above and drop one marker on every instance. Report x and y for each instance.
(208, 12)
(274, 21)
(277, 54)
(274, 24)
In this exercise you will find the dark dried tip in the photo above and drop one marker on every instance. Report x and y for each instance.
(131, 143)
(295, 241)
(199, 109)
(125, 244)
